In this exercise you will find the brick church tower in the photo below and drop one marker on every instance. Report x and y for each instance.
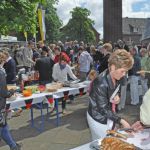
(112, 19)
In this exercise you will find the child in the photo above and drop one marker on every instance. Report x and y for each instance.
(91, 76)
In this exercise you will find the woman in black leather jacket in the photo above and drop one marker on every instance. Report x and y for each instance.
(101, 115)
(4, 93)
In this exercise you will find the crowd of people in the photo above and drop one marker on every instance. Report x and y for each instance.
(105, 64)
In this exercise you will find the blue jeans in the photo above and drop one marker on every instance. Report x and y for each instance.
(134, 91)
(144, 85)
(6, 136)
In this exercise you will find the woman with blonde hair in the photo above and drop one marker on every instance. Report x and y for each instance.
(100, 115)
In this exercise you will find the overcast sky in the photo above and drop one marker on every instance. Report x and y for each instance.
(131, 8)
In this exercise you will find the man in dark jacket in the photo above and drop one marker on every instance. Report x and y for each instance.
(44, 65)
(121, 45)
(10, 68)
(4, 93)
(106, 50)
(100, 115)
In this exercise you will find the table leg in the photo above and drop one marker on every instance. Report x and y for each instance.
(32, 121)
(57, 111)
(40, 106)
(42, 117)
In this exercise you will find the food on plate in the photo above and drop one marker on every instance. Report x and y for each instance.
(53, 87)
(74, 85)
(34, 88)
(116, 134)
(27, 92)
(9, 87)
(41, 88)
(58, 85)
(113, 143)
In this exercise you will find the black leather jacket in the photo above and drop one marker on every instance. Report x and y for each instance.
(100, 109)
(4, 93)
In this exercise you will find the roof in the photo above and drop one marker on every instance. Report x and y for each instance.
(93, 28)
(146, 34)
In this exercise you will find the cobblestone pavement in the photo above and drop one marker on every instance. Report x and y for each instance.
(72, 131)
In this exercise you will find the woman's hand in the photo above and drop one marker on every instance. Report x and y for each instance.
(137, 126)
(141, 72)
(125, 124)
(116, 99)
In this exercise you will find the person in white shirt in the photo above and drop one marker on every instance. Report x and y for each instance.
(61, 70)
(85, 61)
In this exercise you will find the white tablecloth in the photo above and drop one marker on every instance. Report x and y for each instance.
(38, 98)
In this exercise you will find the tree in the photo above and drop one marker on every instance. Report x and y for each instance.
(18, 16)
(79, 26)
(52, 22)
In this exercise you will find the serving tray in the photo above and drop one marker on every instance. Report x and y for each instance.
(95, 145)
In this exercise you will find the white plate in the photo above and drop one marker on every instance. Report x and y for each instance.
(12, 98)
(86, 82)
(95, 145)
(74, 85)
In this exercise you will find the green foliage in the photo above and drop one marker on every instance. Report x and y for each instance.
(52, 22)
(79, 26)
(18, 16)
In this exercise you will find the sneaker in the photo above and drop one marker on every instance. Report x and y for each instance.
(64, 112)
(52, 110)
(134, 104)
(71, 102)
(17, 147)
(9, 114)
(17, 113)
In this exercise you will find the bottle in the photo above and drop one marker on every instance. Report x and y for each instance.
(36, 75)
(21, 85)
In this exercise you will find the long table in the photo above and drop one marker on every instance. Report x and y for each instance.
(29, 102)
(34, 99)
(21, 101)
